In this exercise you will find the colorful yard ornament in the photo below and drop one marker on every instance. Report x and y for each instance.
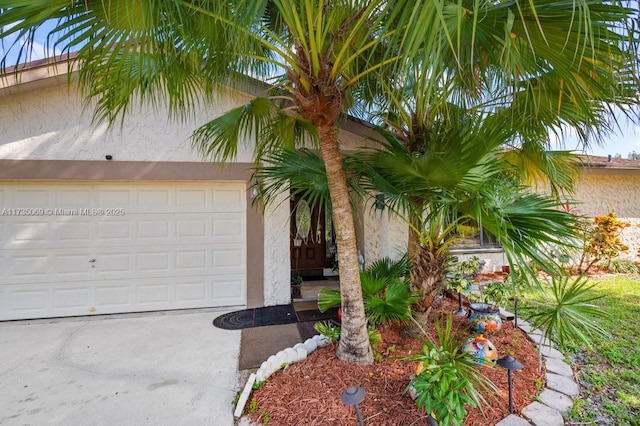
(482, 350)
(484, 318)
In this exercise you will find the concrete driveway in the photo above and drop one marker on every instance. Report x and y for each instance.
(168, 368)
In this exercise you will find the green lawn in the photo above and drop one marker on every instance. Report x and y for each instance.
(609, 370)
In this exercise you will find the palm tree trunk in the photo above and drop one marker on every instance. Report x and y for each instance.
(413, 243)
(354, 343)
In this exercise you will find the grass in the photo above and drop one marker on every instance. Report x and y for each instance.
(609, 370)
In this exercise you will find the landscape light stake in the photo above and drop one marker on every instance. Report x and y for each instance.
(510, 363)
(460, 312)
(515, 311)
(352, 396)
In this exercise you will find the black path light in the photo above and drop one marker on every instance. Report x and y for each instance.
(510, 363)
(352, 396)
(515, 311)
(460, 312)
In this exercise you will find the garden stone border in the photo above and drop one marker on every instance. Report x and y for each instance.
(553, 403)
(556, 397)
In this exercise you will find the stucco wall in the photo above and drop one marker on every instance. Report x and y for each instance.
(51, 123)
(277, 265)
(385, 235)
(599, 193)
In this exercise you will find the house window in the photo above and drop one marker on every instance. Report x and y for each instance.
(471, 234)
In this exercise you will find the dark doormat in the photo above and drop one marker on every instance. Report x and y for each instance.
(257, 317)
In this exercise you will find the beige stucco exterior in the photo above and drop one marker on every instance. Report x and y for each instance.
(616, 190)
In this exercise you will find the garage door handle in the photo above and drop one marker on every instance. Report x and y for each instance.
(92, 261)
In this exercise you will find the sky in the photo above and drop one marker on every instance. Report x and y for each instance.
(625, 141)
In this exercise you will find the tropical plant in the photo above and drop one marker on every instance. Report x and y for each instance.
(386, 292)
(623, 266)
(564, 310)
(315, 53)
(328, 329)
(460, 273)
(497, 292)
(320, 57)
(447, 378)
(437, 190)
(332, 331)
(603, 240)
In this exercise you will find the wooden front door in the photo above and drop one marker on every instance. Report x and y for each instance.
(311, 240)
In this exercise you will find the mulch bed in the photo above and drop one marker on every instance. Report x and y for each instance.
(308, 393)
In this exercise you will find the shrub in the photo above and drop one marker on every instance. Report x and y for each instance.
(385, 290)
(448, 378)
(603, 241)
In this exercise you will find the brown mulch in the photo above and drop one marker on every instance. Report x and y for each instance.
(308, 393)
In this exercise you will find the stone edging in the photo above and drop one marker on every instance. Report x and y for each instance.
(282, 359)
(555, 400)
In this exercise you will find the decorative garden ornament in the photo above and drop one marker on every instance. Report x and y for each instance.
(482, 350)
(303, 220)
(484, 318)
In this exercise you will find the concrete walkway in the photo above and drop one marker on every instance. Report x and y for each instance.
(167, 368)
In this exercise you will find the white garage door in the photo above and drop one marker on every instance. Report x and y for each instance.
(79, 249)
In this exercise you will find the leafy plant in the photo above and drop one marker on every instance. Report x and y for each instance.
(565, 312)
(328, 330)
(497, 292)
(264, 418)
(385, 290)
(448, 379)
(461, 273)
(332, 331)
(603, 240)
(623, 266)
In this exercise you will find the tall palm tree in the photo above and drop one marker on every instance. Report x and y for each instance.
(319, 55)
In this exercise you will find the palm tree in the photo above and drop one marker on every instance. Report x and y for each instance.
(318, 55)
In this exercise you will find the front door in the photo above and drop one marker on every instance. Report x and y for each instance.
(312, 243)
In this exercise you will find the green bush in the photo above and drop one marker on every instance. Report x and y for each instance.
(449, 378)
(385, 290)
(623, 266)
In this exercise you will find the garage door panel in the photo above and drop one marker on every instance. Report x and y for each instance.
(32, 232)
(157, 293)
(172, 246)
(73, 198)
(23, 302)
(229, 288)
(229, 199)
(114, 197)
(192, 228)
(156, 229)
(27, 267)
(194, 261)
(153, 261)
(73, 231)
(72, 266)
(193, 199)
(113, 295)
(112, 265)
(114, 230)
(31, 198)
(193, 290)
(71, 298)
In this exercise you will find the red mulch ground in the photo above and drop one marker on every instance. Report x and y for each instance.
(308, 393)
